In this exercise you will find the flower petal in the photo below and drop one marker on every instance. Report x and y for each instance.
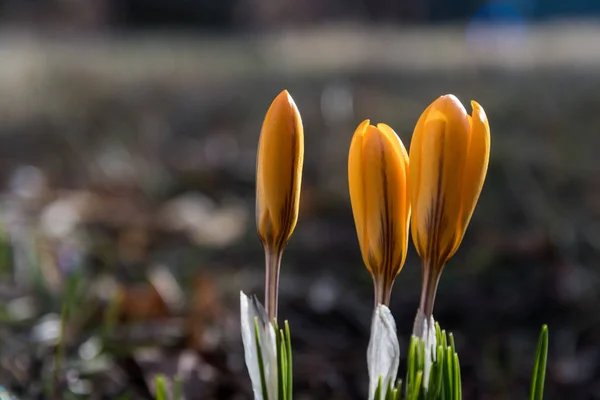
(476, 164)
(279, 171)
(378, 180)
(401, 191)
(415, 156)
(441, 145)
(356, 186)
(385, 173)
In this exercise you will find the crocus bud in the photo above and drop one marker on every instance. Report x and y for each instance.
(449, 155)
(278, 179)
(377, 177)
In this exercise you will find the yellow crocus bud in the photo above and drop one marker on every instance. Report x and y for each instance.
(449, 155)
(377, 178)
(278, 179)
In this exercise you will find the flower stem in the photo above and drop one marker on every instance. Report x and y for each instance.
(383, 291)
(431, 278)
(273, 263)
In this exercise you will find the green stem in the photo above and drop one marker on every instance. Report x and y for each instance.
(273, 263)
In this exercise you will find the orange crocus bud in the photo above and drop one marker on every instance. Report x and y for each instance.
(377, 178)
(449, 155)
(278, 179)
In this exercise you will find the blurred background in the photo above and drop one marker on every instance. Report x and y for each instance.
(128, 132)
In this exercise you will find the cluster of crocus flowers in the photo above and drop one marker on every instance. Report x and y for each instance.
(434, 187)
(278, 179)
(439, 182)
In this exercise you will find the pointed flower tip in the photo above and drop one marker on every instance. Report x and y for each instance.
(449, 102)
(282, 110)
(363, 127)
(478, 111)
(450, 97)
(285, 99)
(381, 126)
(284, 96)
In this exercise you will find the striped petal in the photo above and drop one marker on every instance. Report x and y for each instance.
(478, 157)
(378, 174)
(279, 172)
(440, 148)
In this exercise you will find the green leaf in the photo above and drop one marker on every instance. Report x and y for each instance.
(539, 368)
(451, 342)
(416, 390)
(177, 388)
(377, 395)
(449, 372)
(445, 376)
(288, 344)
(396, 391)
(390, 392)
(398, 388)
(261, 363)
(161, 387)
(411, 361)
(281, 367)
(435, 378)
(457, 382)
(444, 341)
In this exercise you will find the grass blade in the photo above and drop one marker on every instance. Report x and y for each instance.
(457, 382)
(288, 348)
(261, 363)
(377, 395)
(539, 368)
(177, 388)
(161, 387)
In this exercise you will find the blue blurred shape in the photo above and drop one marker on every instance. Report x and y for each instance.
(499, 12)
(545, 9)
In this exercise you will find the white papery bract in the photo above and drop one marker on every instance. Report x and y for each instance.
(251, 314)
(383, 353)
(425, 330)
